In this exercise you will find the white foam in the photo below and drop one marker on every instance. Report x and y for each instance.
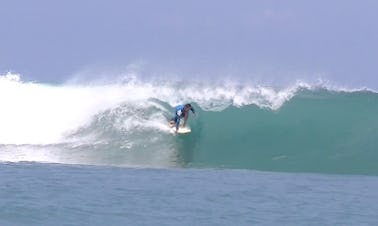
(34, 113)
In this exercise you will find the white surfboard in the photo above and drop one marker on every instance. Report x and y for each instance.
(181, 130)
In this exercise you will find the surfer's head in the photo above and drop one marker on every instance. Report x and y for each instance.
(189, 107)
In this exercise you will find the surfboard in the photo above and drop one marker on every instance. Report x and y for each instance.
(181, 130)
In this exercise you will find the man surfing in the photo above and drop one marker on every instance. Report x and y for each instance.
(181, 111)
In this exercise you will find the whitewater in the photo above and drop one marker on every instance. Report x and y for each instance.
(298, 128)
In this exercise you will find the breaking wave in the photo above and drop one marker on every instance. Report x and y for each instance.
(301, 128)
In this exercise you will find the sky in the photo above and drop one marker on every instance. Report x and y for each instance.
(269, 41)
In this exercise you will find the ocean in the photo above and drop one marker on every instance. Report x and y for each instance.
(102, 153)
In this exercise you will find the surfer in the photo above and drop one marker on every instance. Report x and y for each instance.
(181, 111)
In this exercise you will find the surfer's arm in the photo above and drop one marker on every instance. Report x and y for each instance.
(194, 112)
(192, 109)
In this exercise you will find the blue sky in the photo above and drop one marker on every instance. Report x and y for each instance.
(50, 41)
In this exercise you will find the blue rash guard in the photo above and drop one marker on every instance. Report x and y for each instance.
(180, 113)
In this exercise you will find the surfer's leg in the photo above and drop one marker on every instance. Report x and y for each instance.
(177, 121)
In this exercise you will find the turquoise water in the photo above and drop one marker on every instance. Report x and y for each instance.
(50, 194)
(316, 131)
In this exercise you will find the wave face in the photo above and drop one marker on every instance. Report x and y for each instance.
(316, 131)
(302, 128)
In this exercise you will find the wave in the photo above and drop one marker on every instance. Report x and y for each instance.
(302, 128)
